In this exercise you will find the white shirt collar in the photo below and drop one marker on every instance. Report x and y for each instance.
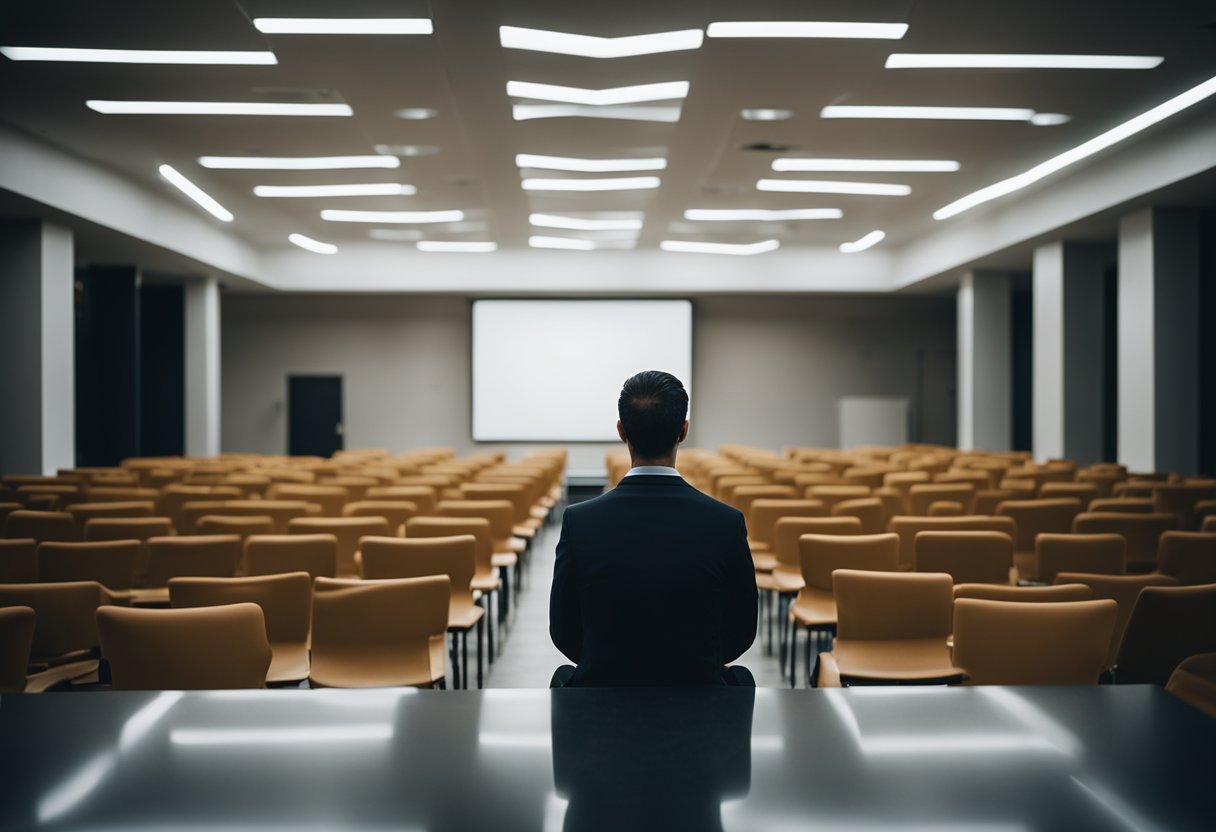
(653, 471)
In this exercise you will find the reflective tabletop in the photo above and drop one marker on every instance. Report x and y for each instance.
(993, 759)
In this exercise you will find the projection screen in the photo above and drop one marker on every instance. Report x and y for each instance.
(551, 370)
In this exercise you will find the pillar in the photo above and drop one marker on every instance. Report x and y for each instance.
(984, 365)
(203, 367)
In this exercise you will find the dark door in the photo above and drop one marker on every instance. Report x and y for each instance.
(314, 415)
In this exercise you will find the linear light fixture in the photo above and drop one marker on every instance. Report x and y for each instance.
(873, 238)
(806, 29)
(298, 162)
(945, 60)
(215, 108)
(527, 112)
(136, 56)
(310, 734)
(636, 94)
(954, 113)
(309, 244)
(691, 247)
(620, 183)
(761, 214)
(368, 189)
(867, 165)
(571, 163)
(200, 197)
(825, 186)
(567, 243)
(344, 25)
(1100, 142)
(590, 46)
(398, 217)
(620, 223)
(457, 246)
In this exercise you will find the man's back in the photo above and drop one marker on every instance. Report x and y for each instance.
(653, 585)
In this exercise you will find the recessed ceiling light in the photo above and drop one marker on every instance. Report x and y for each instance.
(623, 183)
(824, 186)
(407, 149)
(315, 246)
(136, 56)
(867, 165)
(942, 60)
(403, 217)
(416, 113)
(195, 193)
(529, 160)
(766, 114)
(298, 162)
(761, 214)
(630, 222)
(806, 29)
(961, 113)
(395, 235)
(368, 189)
(216, 108)
(567, 243)
(1100, 142)
(691, 247)
(636, 94)
(527, 112)
(871, 239)
(457, 246)
(1049, 119)
(343, 26)
(590, 46)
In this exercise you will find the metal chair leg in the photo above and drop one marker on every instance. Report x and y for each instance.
(464, 657)
(454, 655)
(480, 627)
(491, 624)
(792, 646)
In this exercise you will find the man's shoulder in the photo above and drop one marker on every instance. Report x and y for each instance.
(685, 496)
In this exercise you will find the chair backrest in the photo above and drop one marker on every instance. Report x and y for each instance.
(1104, 554)
(1141, 533)
(478, 527)
(966, 556)
(908, 527)
(285, 599)
(127, 528)
(1083, 492)
(743, 496)
(763, 514)
(1035, 517)
(16, 639)
(396, 512)
(1123, 590)
(1168, 624)
(18, 560)
(421, 557)
(330, 498)
(67, 619)
(1124, 505)
(84, 512)
(110, 563)
(892, 606)
(788, 531)
(1179, 499)
(518, 495)
(273, 554)
(204, 556)
(208, 648)
(822, 554)
(426, 497)
(1194, 681)
(869, 510)
(1025, 594)
(1008, 643)
(500, 513)
(920, 497)
(1188, 556)
(282, 511)
(41, 525)
(242, 526)
(830, 495)
(347, 530)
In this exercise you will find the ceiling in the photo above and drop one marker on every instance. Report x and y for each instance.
(461, 70)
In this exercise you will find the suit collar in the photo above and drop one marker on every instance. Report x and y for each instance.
(651, 479)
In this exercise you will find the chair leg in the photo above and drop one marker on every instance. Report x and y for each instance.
(490, 623)
(768, 615)
(480, 628)
(792, 647)
(504, 609)
(464, 657)
(808, 653)
(454, 655)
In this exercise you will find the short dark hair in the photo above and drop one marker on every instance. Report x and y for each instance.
(652, 407)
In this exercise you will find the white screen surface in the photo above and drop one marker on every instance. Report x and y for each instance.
(551, 370)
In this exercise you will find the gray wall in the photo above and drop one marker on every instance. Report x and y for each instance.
(767, 370)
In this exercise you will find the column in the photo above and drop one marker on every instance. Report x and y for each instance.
(1068, 361)
(984, 365)
(1159, 340)
(38, 418)
(203, 367)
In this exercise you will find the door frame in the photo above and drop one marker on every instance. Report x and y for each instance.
(341, 377)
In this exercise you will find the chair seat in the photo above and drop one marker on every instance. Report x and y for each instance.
(288, 662)
(814, 608)
(786, 579)
(548, 501)
(758, 546)
(539, 513)
(764, 581)
(504, 560)
(526, 532)
(153, 597)
(466, 618)
(904, 660)
(764, 563)
(487, 583)
(72, 671)
(361, 673)
(517, 545)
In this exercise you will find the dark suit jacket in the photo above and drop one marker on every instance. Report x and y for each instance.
(653, 585)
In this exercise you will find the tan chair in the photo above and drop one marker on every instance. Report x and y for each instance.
(16, 639)
(356, 486)
(84, 512)
(981, 557)
(787, 534)
(281, 511)
(507, 549)
(987, 499)
(275, 554)
(18, 560)
(368, 634)
(426, 497)
(40, 525)
(1059, 593)
(1180, 500)
(1209, 524)
(869, 510)
(762, 517)
(1083, 492)
(743, 496)
(920, 497)
(830, 495)
(1124, 590)
(1190, 557)
(242, 526)
(901, 482)
(174, 497)
(331, 498)
(519, 496)
(1194, 682)
(286, 602)
(209, 648)
(1035, 517)
(1141, 533)
(1103, 554)
(396, 512)
(908, 527)
(348, 531)
(1010, 643)
(186, 556)
(110, 563)
(1125, 505)
(127, 528)
(65, 644)
(123, 494)
(420, 557)
(1168, 625)
(892, 628)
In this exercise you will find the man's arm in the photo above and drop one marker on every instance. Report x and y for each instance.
(565, 616)
(739, 613)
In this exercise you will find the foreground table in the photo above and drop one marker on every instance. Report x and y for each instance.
(881, 758)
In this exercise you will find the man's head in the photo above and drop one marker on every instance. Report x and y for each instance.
(653, 406)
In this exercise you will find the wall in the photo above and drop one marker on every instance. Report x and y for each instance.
(767, 370)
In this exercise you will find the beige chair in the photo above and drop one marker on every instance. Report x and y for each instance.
(1125, 505)
(1035, 517)
(110, 563)
(987, 499)
(123, 494)
(40, 525)
(127, 528)
(65, 644)
(286, 602)
(274, 554)
(186, 556)
(1083, 492)
(787, 533)
(1104, 554)
(368, 634)
(426, 497)
(1190, 557)
(1124, 590)
(762, 517)
(1209, 524)
(982, 557)
(869, 510)
(174, 497)
(830, 495)
(1168, 625)
(208, 648)
(1058, 593)
(347, 530)
(743, 496)
(908, 527)
(1180, 500)
(16, 639)
(84, 512)
(331, 498)
(396, 512)
(241, 526)
(281, 511)
(18, 560)
(920, 497)
(1011, 643)
(500, 513)
(1141, 533)
(1194, 681)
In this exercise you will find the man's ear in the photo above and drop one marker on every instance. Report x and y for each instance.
(620, 431)
(683, 432)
